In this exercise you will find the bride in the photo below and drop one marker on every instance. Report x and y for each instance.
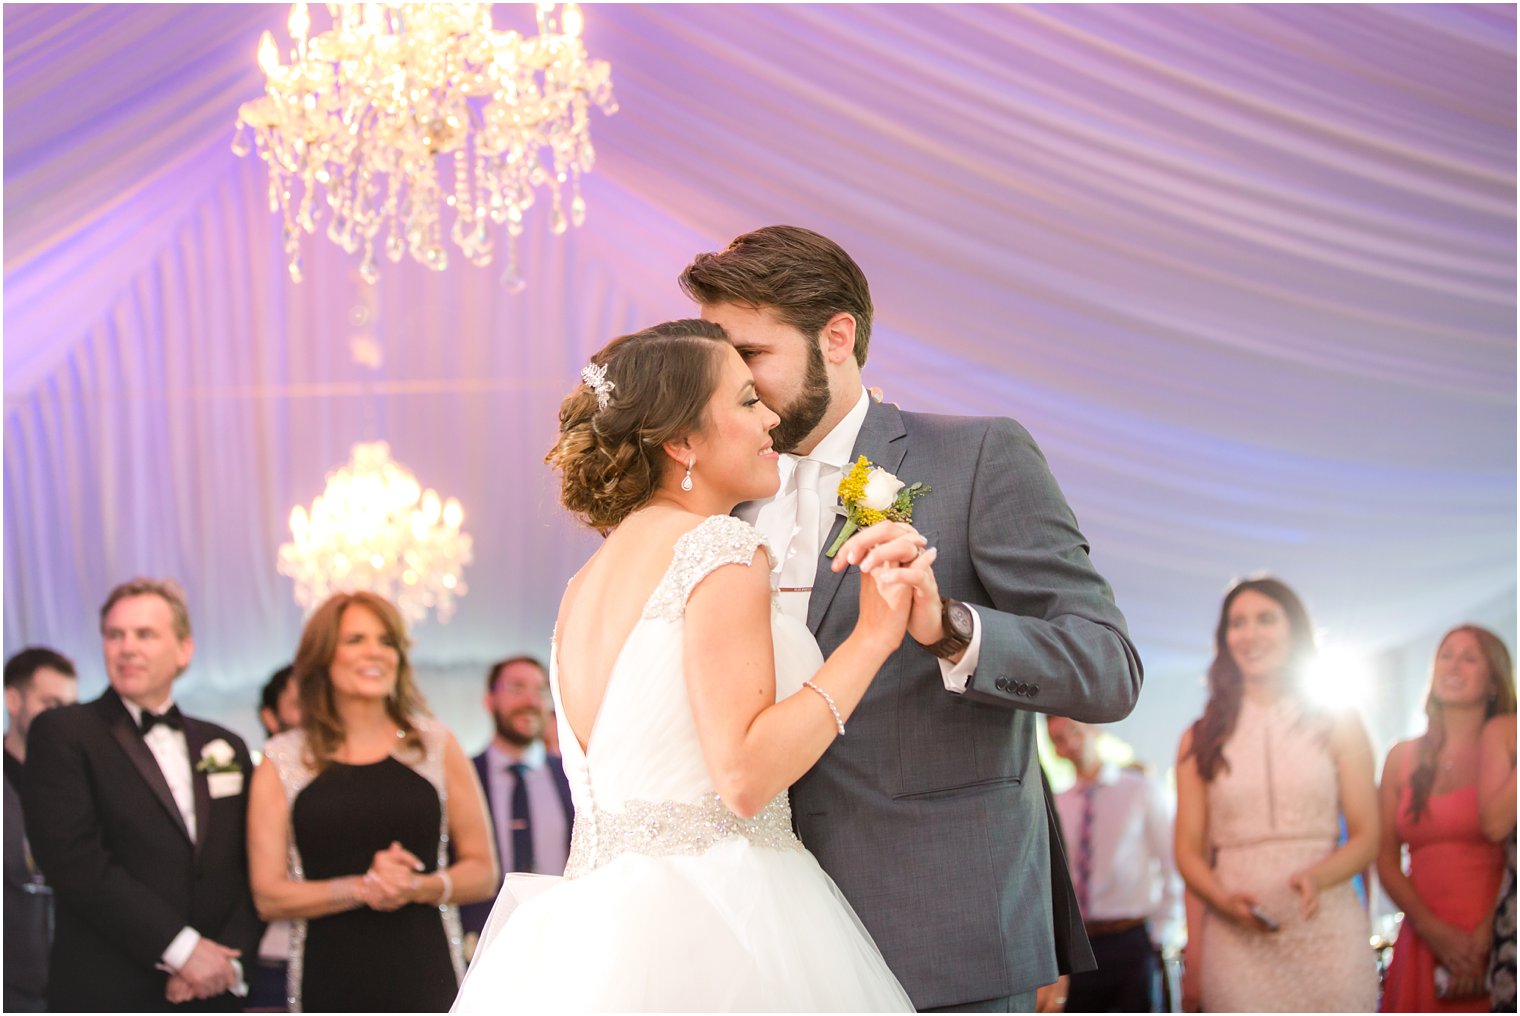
(687, 705)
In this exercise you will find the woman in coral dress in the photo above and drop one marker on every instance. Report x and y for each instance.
(1430, 804)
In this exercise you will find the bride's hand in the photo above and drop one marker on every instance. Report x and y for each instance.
(888, 543)
(895, 569)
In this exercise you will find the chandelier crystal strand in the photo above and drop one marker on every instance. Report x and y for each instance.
(375, 528)
(368, 112)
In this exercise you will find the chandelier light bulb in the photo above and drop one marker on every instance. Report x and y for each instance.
(374, 527)
(402, 115)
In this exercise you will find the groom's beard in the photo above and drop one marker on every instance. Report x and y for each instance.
(800, 418)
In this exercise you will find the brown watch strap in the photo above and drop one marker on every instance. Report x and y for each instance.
(956, 639)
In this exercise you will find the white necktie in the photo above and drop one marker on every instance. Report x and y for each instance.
(801, 561)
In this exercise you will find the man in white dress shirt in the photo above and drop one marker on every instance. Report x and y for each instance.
(137, 816)
(1118, 828)
(525, 785)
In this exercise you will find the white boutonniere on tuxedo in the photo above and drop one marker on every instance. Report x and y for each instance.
(224, 778)
(869, 494)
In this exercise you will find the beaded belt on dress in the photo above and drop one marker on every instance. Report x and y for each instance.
(670, 828)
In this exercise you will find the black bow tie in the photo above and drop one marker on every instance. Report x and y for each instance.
(169, 717)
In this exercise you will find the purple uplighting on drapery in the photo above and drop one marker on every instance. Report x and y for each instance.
(1246, 272)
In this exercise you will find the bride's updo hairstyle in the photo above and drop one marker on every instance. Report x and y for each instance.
(638, 392)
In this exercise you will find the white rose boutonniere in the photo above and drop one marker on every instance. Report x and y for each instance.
(870, 494)
(217, 757)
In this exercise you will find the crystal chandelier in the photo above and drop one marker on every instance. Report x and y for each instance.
(375, 528)
(366, 111)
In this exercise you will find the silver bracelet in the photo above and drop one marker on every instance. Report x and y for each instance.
(347, 891)
(829, 700)
(448, 887)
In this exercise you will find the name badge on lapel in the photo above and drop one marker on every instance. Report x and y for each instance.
(224, 784)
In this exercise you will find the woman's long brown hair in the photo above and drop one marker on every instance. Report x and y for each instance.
(1501, 699)
(324, 729)
(1226, 687)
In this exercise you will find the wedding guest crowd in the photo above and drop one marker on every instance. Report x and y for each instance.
(1431, 805)
(36, 680)
(366, 824)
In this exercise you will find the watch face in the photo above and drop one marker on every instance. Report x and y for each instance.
(960, 619)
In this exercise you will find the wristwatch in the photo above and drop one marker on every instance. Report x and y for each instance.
(956, 618)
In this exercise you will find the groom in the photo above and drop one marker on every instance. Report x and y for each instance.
(930, 814)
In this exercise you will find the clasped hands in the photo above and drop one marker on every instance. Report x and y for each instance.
(900, 566)
(207, 973)
(1243, 909)
(392, 880)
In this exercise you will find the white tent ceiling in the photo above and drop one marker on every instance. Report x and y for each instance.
(1246, 272)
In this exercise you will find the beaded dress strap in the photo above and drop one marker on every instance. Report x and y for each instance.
(714, 542)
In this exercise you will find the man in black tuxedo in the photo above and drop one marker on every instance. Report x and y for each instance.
(136, 815)
(525, 785)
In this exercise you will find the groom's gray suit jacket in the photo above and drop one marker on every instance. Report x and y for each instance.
(931, 813)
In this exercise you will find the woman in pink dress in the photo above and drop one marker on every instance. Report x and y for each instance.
(1429, 802)
(1263, 780)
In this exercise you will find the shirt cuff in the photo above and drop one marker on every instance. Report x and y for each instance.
(240, 986)
(179, 950)
(957, 675)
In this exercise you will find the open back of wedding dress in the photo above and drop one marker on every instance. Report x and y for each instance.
(670, 902)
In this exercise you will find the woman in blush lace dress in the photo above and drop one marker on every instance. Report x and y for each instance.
(1430, 804)
(1263, 778)
(687, 704)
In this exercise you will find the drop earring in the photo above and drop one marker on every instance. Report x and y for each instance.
(686, 480)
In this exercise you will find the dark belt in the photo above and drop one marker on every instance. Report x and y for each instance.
(1118, 926)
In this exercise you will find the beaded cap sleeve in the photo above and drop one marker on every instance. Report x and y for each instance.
(714, 542)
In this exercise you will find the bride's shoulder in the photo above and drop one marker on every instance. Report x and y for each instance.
(716, 541)
(724, 539)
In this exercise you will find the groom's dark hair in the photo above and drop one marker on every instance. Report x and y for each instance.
(804, 275)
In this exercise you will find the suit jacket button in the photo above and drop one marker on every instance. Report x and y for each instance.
(1021, 688)
(1034, 690)
(1001, 684)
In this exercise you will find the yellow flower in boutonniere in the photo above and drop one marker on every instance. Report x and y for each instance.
(869, 494)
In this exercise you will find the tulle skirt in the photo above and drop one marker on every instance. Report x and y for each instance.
(739, 928)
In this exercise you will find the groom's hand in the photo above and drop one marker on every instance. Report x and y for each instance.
(1052, 997)
(896, 553)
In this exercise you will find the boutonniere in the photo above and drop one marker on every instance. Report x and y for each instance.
(217, 757)
(869, 494)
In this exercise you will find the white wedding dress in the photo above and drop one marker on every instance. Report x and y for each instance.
(670, 902)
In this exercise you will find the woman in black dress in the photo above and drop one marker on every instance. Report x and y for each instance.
(350, 822)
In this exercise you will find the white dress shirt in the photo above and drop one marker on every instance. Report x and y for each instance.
(546, 809)
(777, 519)
(1133, 874)
(172, 752)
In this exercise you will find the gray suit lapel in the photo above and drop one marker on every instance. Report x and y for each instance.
(883, 441)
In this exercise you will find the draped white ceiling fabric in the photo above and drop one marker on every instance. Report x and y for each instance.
(1246, 272)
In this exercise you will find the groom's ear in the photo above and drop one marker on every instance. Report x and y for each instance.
(839, 338)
